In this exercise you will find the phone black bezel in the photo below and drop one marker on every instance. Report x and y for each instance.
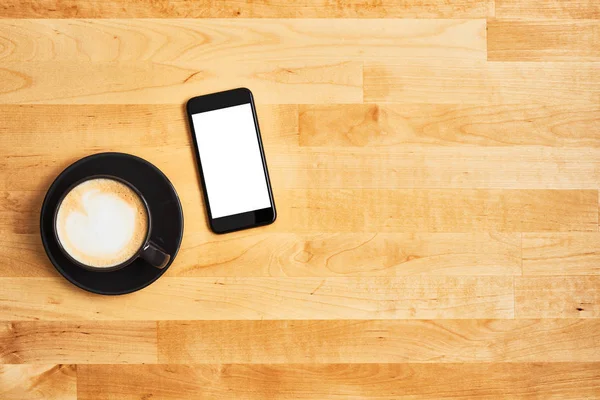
(215, 101)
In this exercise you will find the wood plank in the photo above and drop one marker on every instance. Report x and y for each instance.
(557, 297)
(23, 255)
(290, 167)
(398, 341)
(433, 167)
(569, 253)
(254, 9)
(64, 82)
(356, 125)
(78, 342)
(372, 210)
(399, 125)
(50, 128)
(377, 210)
(192, 43)
(26, 299)
(44, 382)
(550, 40)
(17, 216)
(340, 381)
(344, 254)
(438, 210)
(412, 167)
(482, 83)
(528, 9)
(262, 254)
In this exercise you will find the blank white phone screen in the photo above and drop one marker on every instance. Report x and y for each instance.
(231, 162)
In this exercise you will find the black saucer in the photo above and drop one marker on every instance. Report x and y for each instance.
(167, 221)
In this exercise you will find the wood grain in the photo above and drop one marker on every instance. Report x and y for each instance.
(397, 341)
(30, 299)
(282, 254)
(353, 381)
(196, 43)
(561, 253)
(532, 9)
(254, 9)
(23, 255)
(393, 126)
(439, 210)
(576, 40)
(378, 210)
(39, 381)
(482, 83)
(435, 167)
(290, 167)
(147, 82)
(17, 215)
(78, 342)
(348, 254)
(49, 128)
(263, 254)
(396, 126)
(557, 297)
(411, 167)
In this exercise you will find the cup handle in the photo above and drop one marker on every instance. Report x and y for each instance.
(155, 255)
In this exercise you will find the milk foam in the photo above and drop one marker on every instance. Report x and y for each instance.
(102, 223)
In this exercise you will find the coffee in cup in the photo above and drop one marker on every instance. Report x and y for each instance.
(102, 223)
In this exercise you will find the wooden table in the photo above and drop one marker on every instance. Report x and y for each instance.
(435, 164)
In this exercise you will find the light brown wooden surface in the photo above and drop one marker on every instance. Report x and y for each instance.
(577, 40)
(252, 9)
(338, 381)
(435, 165)
(38, 381)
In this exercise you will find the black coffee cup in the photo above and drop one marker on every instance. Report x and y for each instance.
(148, 251)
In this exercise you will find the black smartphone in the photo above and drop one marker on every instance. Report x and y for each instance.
(231, 160)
